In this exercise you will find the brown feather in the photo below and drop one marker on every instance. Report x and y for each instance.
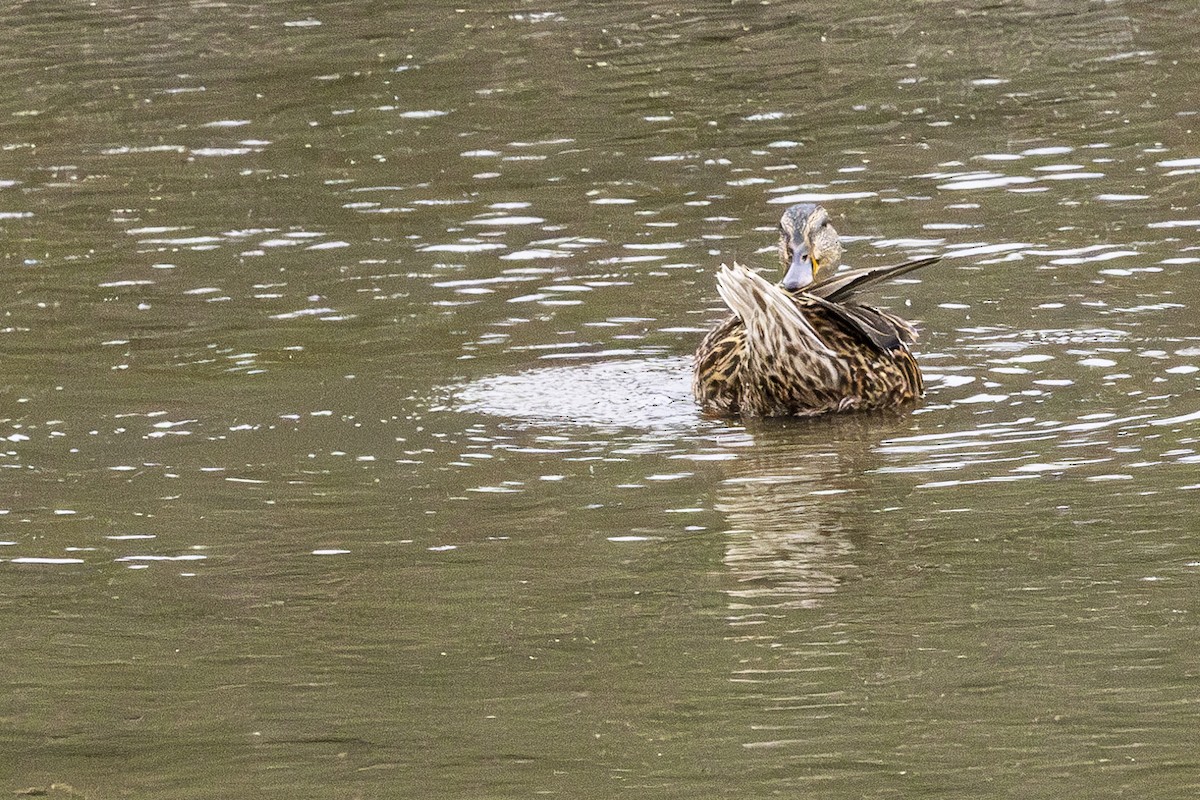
(806, 352)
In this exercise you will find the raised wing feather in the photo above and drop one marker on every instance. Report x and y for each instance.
(883, 331)
(762, 306)
(844, 285)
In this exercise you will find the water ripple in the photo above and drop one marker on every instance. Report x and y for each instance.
(652, 393)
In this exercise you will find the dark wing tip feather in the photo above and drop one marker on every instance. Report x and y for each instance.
(845, 285)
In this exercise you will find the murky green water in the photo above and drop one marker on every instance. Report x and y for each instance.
(348, 449)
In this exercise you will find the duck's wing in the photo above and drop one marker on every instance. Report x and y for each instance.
(769, 312)
(844, 285)
(882, 330)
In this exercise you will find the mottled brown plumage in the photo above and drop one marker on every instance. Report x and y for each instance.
(805, 347)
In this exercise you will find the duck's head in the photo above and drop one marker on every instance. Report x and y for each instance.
(808, 244)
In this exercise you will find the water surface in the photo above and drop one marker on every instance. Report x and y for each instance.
(347, 438)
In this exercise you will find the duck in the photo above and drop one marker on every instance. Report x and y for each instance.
(806, 346)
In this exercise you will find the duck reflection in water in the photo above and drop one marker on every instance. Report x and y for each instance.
(806, 346)
(794, 506)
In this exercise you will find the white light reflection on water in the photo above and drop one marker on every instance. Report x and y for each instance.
(1014, 450)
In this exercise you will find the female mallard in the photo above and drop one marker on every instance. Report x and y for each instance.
(804, 347)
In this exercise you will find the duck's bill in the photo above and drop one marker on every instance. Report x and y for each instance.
(800, 273)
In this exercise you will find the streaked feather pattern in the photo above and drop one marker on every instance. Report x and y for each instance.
(808, 351)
